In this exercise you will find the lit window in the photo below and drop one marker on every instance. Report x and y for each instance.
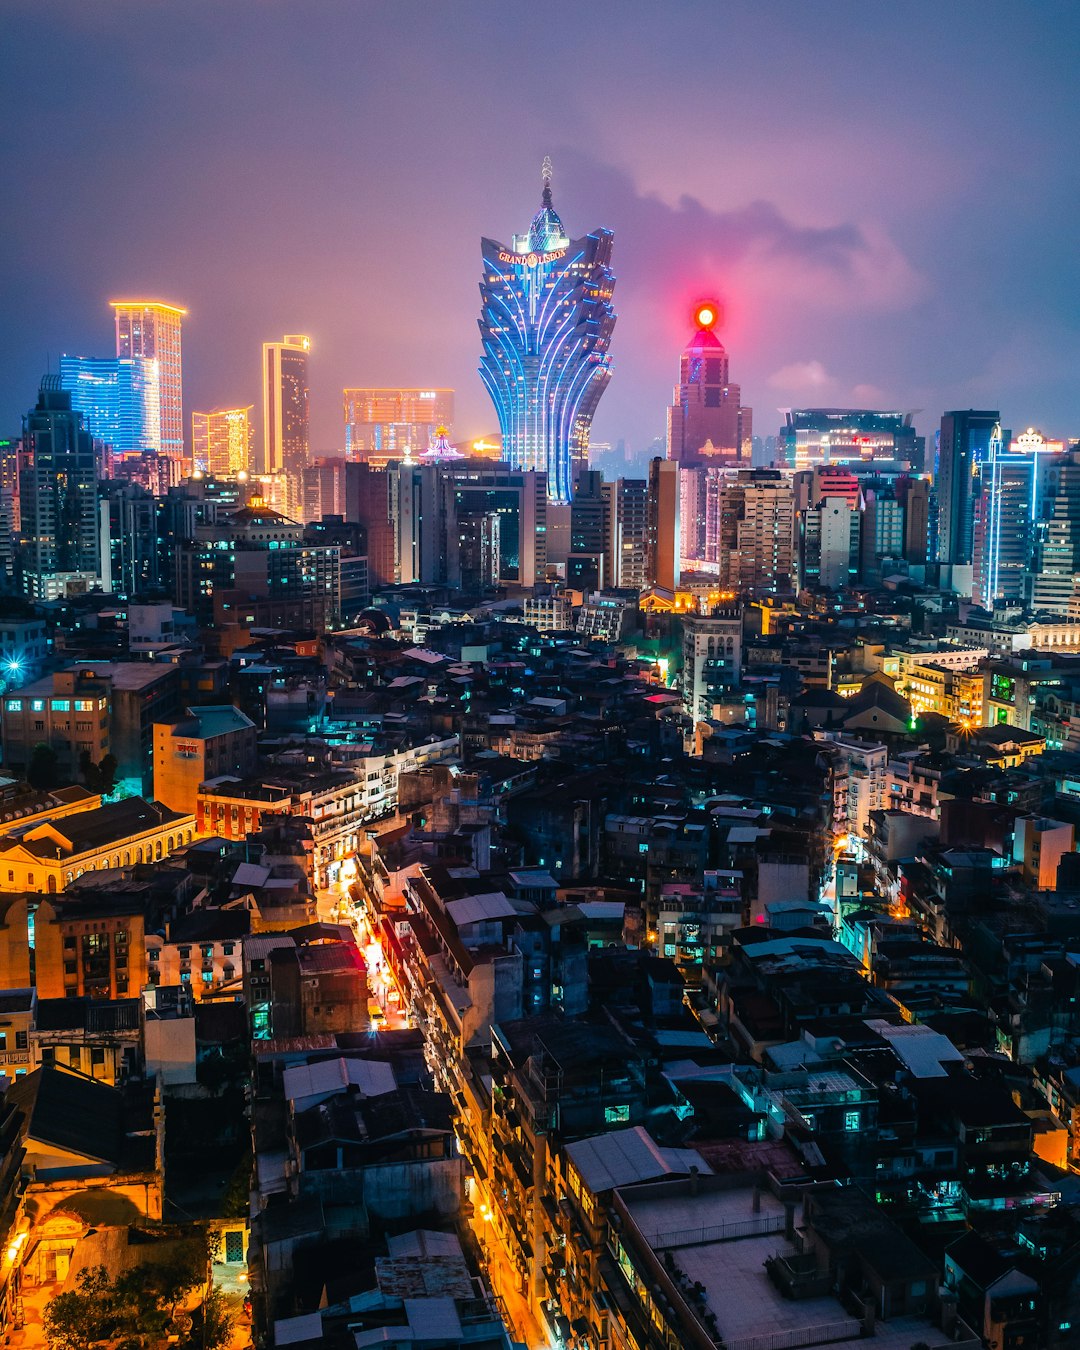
(851, 1120)
(61, 705)
(14, 705)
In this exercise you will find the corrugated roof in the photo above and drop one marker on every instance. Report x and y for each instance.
(477, 908)
(921, 1049)
(626, 1156)
(433, 1319)
(305, 1083)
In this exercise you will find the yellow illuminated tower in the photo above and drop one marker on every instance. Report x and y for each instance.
(286, 438)
(221, 441)
(151, 328)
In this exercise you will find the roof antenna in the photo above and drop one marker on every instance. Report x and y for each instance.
(545, 173)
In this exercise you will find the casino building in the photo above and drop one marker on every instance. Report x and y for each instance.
(546, 323)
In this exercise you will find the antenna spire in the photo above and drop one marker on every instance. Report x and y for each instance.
(545, 173)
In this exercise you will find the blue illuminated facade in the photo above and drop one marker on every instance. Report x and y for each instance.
(546, 323)
(118, 398)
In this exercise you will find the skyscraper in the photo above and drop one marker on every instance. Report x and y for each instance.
(118, 397)
(627, 532)
(963, 448)
(151, 329)
(1004, 524)
(60, 539)
(707, 423)
(1056, 577)
(383, 424)
(663, 553)
(221, 441)
(286, 437)
(546, 323)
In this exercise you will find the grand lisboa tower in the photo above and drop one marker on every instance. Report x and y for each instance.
(546, 323)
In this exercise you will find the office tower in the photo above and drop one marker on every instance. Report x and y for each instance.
(286, 436)
(663, 548)
(546, 323)
(478, 550)
(60, 538)
(750, 529)
(1004, 525)
(151, 330)
(627, 533)
(118, 397)
(222, 440)
(812, 436)
(1054, 584)
(385, 424)
(432, 500)
(706, 422)
(963, 447)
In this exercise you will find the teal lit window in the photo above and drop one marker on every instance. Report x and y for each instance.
(61, 705)
(851, 1120)
(14, 705)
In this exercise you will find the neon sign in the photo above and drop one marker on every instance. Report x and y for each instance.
(533, 259)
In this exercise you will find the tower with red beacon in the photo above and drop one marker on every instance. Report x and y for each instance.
(707, 424)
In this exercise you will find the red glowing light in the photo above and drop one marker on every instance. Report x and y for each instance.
(706, 313)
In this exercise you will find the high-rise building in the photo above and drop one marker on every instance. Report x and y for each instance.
(627, 532)
(813, 436)
(546, 323)
(60, 535)
(830, 544)
(371, 500)
(433, 499)
(256, 565)
(963, 447)
(222, 440)
(151, 329)
(750, 529)
(663, 548)
(118, 397)
(706, 423)
(131, 553)
(712, 659)
(385, 424)
(1055, 580)
(286, 433)
(1004, 525)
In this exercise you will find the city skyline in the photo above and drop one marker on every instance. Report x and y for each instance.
(831, 296)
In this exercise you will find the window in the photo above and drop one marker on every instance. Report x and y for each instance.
(185, 977)
(84, 705)
(153, 954)
(617, 1115)
(97, 1056)
(37, 705)
(851, 1120)
(227, 948)
(14, 705)
(21, 1039)
(61, 705)
(208, 977)
(185, 953)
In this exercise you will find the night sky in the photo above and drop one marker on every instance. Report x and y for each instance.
(883, 196)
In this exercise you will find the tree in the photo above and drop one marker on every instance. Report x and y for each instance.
(89, 772)
(143, 1305)
(43, 771)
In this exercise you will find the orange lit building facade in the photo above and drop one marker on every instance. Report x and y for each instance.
(222, 441)
(150, 328)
